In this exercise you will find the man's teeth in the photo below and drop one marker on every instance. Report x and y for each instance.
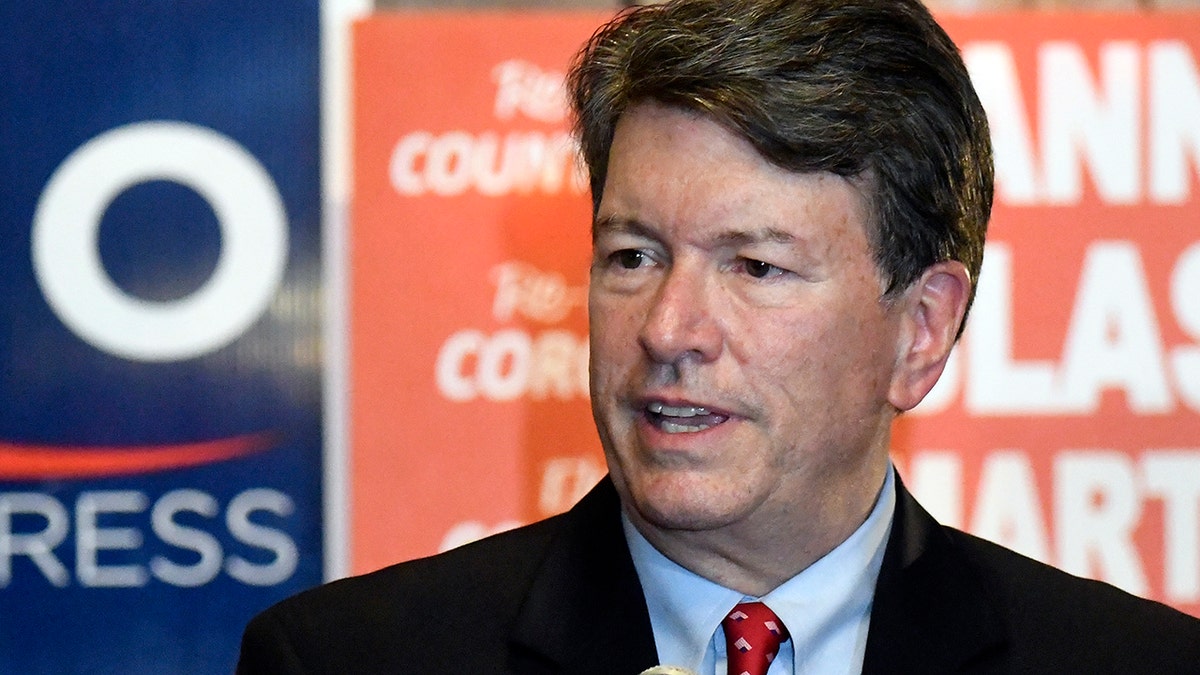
(673, 428)
(669, 418)
(677, 411)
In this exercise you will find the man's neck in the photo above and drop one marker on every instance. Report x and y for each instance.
(754, 556)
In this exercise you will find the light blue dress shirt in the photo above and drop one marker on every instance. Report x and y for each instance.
(826, 607)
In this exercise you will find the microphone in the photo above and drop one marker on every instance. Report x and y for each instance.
(667, 670)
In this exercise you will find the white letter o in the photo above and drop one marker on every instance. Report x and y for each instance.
(66, 256)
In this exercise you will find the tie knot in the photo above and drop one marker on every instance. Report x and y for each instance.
(752, 636)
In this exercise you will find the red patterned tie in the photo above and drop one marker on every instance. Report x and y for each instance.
(752, 636)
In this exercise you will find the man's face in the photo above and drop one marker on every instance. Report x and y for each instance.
(741, 355)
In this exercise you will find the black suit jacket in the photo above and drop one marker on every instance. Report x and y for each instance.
(562, 596)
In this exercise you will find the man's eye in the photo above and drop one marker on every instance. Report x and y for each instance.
(759, 269)
(629, 258)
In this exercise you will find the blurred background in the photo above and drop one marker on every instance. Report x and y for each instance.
(295, 290)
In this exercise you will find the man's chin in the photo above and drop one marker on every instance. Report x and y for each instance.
(681, 520)
(683, 506)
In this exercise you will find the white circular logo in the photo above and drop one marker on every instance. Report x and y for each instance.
(66, 254)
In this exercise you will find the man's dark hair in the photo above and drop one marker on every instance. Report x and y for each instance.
(872, 90)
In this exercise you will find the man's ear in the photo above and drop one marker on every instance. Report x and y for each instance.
(932, 309)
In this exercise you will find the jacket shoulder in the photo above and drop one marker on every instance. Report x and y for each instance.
(947, 601)
(475, 590)
(1059, 622)
(474, 570)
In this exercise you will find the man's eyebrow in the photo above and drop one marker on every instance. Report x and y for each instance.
(729, 238)
(620, 224)
(770, 235)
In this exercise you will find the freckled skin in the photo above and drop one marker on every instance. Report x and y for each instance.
(799, 355)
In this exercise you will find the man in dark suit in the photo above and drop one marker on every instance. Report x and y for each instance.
(790, 199)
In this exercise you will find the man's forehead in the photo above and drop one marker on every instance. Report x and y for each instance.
(736, 140)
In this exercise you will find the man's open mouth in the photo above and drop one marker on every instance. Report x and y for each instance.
(681, 419)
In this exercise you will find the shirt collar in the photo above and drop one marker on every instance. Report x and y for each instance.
(834, 592)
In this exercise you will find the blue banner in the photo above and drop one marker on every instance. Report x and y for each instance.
(160, 357)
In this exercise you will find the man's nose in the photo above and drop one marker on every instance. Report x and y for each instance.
(681, 322)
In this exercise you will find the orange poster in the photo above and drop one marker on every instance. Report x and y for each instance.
(470, 248)
(1069, 426)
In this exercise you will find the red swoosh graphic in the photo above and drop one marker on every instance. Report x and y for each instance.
(37, 462)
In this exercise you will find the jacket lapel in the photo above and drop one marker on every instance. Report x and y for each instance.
(585, 611)
(931, 611)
